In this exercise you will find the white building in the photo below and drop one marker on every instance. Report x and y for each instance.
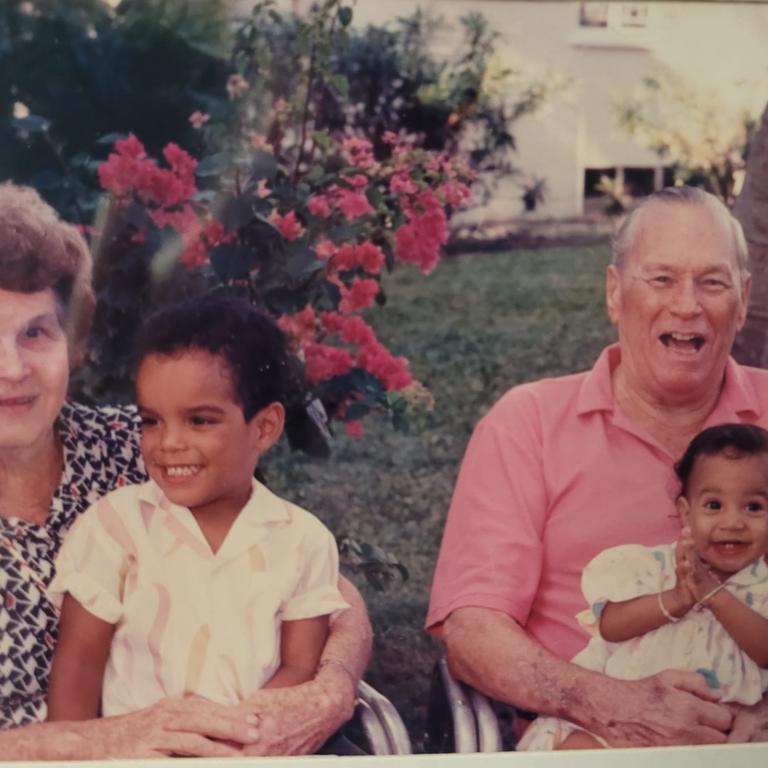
(605, 49)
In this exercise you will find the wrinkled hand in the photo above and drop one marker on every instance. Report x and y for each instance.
(189, 727)
(299, 720)
(750, 723)
(671, 707)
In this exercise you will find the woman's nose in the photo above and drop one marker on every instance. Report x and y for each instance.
(13, 366)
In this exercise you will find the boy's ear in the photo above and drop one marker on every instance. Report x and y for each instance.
(267, 426)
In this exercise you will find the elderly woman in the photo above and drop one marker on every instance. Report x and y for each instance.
(560, 469)
(56, 458)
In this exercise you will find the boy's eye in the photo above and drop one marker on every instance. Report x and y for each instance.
(148, 421)
(200, 421)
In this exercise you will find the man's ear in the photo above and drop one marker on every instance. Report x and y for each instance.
(613, 293)
(266, 426)
(746, 290)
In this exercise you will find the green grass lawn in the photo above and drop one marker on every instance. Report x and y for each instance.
(478, 325)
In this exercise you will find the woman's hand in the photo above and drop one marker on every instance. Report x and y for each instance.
(299, 720)
(189, 727)
(750, 724)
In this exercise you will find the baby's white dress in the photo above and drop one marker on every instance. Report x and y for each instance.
(697, 642)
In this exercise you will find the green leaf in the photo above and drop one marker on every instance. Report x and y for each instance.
(232, 262)
(263, 166)
(111, 138)
(302, 264)
(345, 15)
(340, 84)
(213, 165)
(31, 124)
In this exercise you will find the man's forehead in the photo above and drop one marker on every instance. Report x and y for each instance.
(679, 234)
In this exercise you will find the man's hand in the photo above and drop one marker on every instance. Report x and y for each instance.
(750, 723)
(672, 707)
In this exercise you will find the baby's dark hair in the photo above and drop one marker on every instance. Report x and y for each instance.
(249, 341)
(730, 440)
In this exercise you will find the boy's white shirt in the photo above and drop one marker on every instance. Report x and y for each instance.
(188, 620)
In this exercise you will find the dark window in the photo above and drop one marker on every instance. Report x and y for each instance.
(638, 182)
(592, 178)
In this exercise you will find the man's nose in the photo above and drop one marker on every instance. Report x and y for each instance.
(13, 365)
(686, 300)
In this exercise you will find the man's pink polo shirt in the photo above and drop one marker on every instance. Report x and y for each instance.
(552, 476)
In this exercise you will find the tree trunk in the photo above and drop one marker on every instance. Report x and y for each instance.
(751, 209)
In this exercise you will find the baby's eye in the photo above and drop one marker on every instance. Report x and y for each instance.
(712, 504)
(755, 506)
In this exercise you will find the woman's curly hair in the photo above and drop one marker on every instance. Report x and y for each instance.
(39, 251)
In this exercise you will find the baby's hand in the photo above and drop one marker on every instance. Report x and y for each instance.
(682, 595)
(698, 577)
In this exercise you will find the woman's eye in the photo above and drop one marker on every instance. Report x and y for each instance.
(34, 332)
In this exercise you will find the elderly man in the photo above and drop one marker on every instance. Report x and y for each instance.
(560, 469)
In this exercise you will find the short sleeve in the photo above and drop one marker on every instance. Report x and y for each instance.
(621, 573)
(317, 591)
(91, 562)
(491, 552)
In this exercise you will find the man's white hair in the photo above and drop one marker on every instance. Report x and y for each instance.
(627, 234)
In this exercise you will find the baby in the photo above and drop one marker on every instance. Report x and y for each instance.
(200, 581)
(700, 604)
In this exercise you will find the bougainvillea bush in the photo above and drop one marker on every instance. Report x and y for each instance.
(309, 249)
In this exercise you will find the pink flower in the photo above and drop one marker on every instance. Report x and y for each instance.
(420, 240)
(392, 371)
(289, 226)
(454, 193)
(318, 205)
(352, 330)
(388, 137)
(367, 256)
(262, 189)
(325, 249)
(198, 119)
(322, 362)
(358, 152)
(354, 429)
(300, 326)
(215, 234)
(257, 140)
(401, 183)
(351, 204)
(237, 86)
(361, 294)
(358, 181)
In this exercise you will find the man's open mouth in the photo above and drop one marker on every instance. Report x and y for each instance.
(682, 341)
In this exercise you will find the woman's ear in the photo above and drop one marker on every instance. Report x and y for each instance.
(267, 425)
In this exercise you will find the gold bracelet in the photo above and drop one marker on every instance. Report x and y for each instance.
(704, 600)
(667, 615)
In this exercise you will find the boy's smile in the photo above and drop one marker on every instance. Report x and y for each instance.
(727, 510)
(196, 443)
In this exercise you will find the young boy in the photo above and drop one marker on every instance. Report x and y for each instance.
(199, 581)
